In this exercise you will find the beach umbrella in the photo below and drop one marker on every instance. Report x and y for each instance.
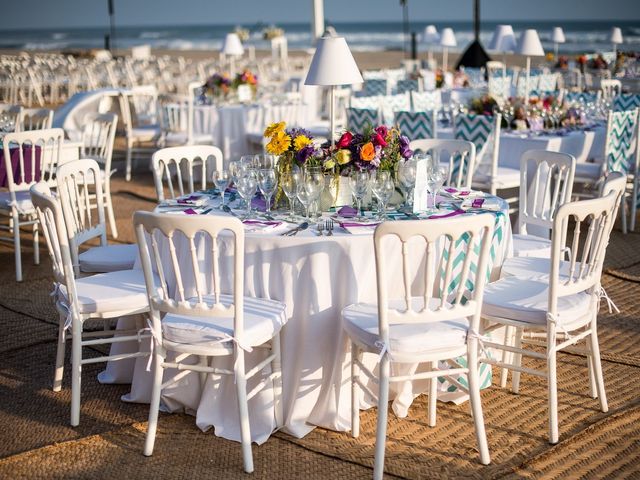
(474, 56)
(529, 45)
(615, 38)
(447, 40)
(557, 36)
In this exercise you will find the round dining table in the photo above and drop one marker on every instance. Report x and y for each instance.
(315, 276)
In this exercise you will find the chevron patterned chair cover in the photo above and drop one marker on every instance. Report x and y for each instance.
(547, 81)
(476, 77)
(371, 103)
(416, 125)
(500, 86)
(375, 86)
(622, 154)
(626, 101)
(393, 103)
(521, 89)
(359, 118)
(473, 128)
(582, 97)
(407, 85)
(424, 101)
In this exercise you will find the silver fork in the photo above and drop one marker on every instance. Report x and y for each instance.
(329, 227)
(320, 228)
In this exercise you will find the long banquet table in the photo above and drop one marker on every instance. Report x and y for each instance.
(316, 277)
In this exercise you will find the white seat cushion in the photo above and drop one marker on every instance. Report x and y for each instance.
(110, 292)
(109, 258)
(531, 246)
(180, 138)
(588, 171)
(360, 321)
(263, 319)
(505, 178)
(532, 267)
(527, 300)
(23, 201)
(146, 133)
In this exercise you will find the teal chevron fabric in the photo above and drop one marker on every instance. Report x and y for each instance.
(581, 97)
(407, 85)
(626, 101)
(473, 128)
(521, 87)
(620, 151)
(499, 86)
(375, 86)
(359, 118)
(415, 125)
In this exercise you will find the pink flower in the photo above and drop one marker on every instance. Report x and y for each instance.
(345, 140)
(382, 130)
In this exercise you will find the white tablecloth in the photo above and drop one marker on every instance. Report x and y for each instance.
(316, 277)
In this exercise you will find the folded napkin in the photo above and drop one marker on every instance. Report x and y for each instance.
(458, 192)
(359, 228)
(492, 204)
(261, 225)
(347, 212)
(191, 200)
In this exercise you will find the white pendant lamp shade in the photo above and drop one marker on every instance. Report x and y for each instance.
(232, 45)
(529, 44)
(557, 35)
(616, 35)
(448, 38)
(333, 64)
(430, 35)
(503, 39)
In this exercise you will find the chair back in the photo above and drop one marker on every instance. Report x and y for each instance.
(55, 233)
(81, 196)
(176, 115)
(610, 88)
(547, 82)
(35, 119)
(359, 118)
(98, 137)
(408, 85)
(582, 228)
(426, 101)
(626, 101)
(415, 125)
(392, 103)
(10, 116)
(582, 98)
(184, 169)
(32, 156)
(546, 183)
(370, 102)
(621, 141)
(451, 278)
(376, 86)
(484, 132)
(499, 85)
(615, 182)
(458, 155)
(184, 285)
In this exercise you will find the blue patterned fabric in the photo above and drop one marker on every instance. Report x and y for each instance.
(581, 97)
(359, 118)
(375, 86)
(407, 85)
(620, 148)
(415, 125)
(626, 101)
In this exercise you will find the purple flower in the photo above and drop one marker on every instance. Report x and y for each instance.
(405, 151)
(304, 153)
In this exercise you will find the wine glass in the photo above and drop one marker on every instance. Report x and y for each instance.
(407, 180)
(382, 187)
(222, 179)
(267, 183)
(316, 175)
(289, 183)
(247, 186)
(359, 183)
(308, 191)
(436, 177)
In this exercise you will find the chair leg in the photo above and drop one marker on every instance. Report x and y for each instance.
(383, 407)
(552, 387)
(36, 245)
(597, 367)
(476, 405)
(506, 356)
(154, 406)
(76, 371)
(59, 372)
(623, 211)
(592, 378)
(243, 409)
(16, 246)
(128, 165)
(433, 395)
(632, 223)
(517, 361)
(276, 367)
(355, 391)
(111, 215)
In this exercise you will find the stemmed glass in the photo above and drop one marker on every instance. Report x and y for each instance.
(308, 191)
(289, 183)
(382, 187)
(359, 183)
(407, 180)
(316, 175)
(222, 179)
(267, 182)
(247, 186)
(436, 177)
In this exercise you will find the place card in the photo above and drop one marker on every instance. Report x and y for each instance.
(420, 194)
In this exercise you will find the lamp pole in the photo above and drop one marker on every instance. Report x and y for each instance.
(405, 24)
(112, 26)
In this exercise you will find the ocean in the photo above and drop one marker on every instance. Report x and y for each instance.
(581, 37)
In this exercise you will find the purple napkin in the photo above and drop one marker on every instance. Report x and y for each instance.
(447, 215)
(477, 203)
(455, 191)
(261, 223)
(259, 203)
(347, 212)
(190, 211)
(189, 199)
(358, 224)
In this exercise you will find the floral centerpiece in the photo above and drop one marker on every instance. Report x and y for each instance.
(221, 85)
(294, 146)
(483, 105)
(243, 33)
(272, 32)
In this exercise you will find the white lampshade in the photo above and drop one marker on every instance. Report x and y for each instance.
(616, 35)
(430, 34)
(232, 45)
(557, 35)
(448, 38)
(529, 44)
(503, 39)
(333, 64)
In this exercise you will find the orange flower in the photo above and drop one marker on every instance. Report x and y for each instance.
(368, 152)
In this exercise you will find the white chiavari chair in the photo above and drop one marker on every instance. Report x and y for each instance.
(458, 156)
(35, 119)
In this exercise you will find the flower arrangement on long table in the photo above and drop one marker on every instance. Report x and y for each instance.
(220, 85)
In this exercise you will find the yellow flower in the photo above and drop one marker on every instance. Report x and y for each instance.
(274, 128)
(280, 143)
(329, 164)
(301, 141)
(343, 156)
(368, 152)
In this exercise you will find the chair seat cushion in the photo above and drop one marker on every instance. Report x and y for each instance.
(533, 267)
(263, 319)
(110, 292)
(109, 258)
(23, 201)
(360, 321)
(531, 246)
(146, 133)
(180, 138)
(527, 300)
(506, 178)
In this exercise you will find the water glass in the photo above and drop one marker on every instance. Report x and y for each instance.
(222, 179)
(436, 177)
(267, 183)
(382, 187)
(407, 180)
(359, 183)
(308, 192)
(247, 187)
(289, 183)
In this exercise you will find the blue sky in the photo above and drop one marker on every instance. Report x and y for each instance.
(91, 13)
